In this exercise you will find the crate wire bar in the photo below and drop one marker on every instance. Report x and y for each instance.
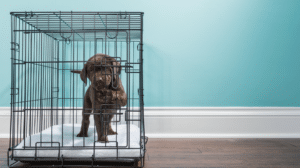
(47, 99)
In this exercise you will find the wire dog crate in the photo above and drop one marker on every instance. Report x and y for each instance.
(47, 99)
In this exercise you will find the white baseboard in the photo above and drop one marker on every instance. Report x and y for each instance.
(4, 135)
(210, 122)
(223, 135)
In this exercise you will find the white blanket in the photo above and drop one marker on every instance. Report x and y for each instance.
(68, 135)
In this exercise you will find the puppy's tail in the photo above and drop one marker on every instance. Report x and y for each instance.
(76, 72)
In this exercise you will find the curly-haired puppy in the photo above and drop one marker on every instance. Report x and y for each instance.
(105, 94)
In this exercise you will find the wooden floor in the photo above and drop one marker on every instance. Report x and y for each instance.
(271, 153)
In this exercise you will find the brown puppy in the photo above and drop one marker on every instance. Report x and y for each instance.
(105, 94)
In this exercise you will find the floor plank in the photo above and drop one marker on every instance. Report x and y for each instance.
(213, 153)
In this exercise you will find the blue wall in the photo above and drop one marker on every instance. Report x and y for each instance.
(199, 53)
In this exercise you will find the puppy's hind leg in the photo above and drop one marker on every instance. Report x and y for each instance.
(87, 108)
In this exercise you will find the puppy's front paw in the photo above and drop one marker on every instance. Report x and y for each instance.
(82, 135)
(111, 132)
(103, 139)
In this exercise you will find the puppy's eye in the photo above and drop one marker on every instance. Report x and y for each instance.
(103, 69)
(99, 68)
(96, 68)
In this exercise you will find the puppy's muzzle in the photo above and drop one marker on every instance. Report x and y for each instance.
(101, 82)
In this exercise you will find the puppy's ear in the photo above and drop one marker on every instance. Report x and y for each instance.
(83, 74)
(116, 71)
(116, 67)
